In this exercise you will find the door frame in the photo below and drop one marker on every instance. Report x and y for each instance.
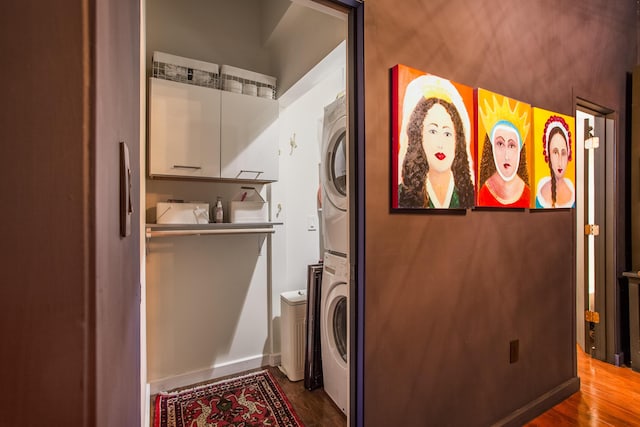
(355, 112)
(607, 340)
(356, 168)
(356, 188)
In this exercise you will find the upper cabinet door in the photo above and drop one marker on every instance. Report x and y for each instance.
(249, 137)
(184, 130)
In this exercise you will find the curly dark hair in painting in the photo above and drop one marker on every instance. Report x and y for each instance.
(415, 166)
(488, 165)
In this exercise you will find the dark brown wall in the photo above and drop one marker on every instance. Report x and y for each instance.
(44, 320)
(445, 294)
(69, 291)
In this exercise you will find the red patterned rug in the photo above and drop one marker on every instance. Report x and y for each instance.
(250, 400)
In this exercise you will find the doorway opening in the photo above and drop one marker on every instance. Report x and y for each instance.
(597, 328)
(351, 11)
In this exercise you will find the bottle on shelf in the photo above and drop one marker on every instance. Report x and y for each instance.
(218, 216)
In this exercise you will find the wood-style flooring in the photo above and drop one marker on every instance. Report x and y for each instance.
(315, 408)
(608, 396)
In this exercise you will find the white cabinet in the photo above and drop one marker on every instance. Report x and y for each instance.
(184, 130)
(249, 137)
(207, 133)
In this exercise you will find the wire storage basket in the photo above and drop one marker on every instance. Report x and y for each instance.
(185, 70)
(238, 80)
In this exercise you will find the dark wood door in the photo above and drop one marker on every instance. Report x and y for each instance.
(70, 287)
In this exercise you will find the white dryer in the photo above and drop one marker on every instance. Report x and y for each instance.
(334, 329)
(333, 177)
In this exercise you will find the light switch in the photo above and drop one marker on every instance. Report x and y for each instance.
(312, 223)
(126, 205)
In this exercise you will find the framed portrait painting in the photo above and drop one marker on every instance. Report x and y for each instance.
(504, 151)
(432, 142)
(554, 160)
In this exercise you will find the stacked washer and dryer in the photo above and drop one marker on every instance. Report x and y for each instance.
(335, 275)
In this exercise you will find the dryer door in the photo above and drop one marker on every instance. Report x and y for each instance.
(335, 166)
(336, 323)
(334, 155)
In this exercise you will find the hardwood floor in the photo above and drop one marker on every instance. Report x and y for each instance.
(315, 408)
(608, 396)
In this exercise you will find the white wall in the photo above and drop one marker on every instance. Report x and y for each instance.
(210, 299)
(296, 246)
(273, 37)
(207, 296)
(213, 302)
(293, 56)
(207, 305)
(218, 31)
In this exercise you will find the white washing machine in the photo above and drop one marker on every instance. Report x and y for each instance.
(334, 329)
(333, 177)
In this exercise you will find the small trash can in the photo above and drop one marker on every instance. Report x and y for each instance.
(293, 311)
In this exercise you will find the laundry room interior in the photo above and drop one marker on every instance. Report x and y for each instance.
(214, 288)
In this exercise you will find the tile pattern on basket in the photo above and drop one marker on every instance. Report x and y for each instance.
(237, 80)
(201, 73)
(185, 70)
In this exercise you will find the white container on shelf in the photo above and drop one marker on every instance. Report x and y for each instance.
(182, 213)
(248, 206)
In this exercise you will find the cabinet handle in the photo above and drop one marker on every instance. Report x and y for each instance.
(186, 167)
(248, 171)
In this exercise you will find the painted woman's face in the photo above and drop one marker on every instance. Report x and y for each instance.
(558, 156)
(506, 151)
(439, 139)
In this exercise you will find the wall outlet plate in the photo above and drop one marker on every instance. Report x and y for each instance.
(514, 351)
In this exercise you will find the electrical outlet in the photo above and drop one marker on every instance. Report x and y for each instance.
(514, 351)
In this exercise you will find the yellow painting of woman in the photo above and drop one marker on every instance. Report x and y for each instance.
(503, 139)
(432, 142)
(554, 173)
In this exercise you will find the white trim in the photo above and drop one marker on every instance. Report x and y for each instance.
(213, 372)
(323, 8)
(146, 405)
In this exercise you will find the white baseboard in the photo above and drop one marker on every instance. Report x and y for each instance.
(216, 371)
